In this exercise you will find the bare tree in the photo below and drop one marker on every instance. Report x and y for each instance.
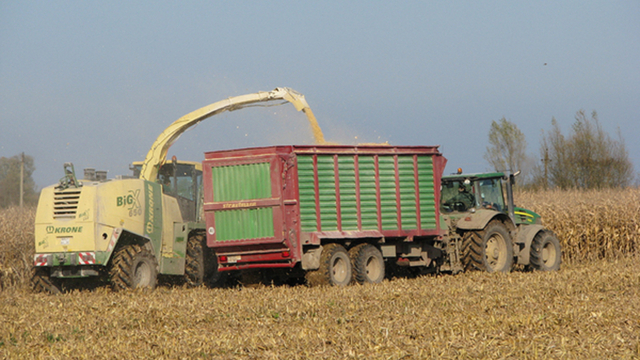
(10, 181)
(507, 147)
(588, 159)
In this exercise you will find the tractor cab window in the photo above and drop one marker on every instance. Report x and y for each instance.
(457, 196)
(491, 194)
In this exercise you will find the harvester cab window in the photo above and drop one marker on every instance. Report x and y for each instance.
(491, 194)
(184, 183)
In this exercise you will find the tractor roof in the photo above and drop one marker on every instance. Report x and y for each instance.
(473, 177)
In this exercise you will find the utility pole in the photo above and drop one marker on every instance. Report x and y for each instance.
(21, 179)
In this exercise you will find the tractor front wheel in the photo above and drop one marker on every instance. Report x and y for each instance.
(545, 252)
(133, 266)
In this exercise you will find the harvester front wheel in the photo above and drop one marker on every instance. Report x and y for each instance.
(133, 267)
(488, 250)
(545, 252)
(335, 267)
(367, 264)
(42, 282)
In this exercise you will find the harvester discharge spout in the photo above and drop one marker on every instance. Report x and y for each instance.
(158, 151)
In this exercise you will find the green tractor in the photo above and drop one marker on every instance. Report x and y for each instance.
(493, 234)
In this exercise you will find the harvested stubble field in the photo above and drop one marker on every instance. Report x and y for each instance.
(589, 309)
(583, 311)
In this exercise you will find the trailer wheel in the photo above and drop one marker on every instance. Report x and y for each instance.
(194, 262)
(367, 264)
(42, 282)
(545, 252)
(133, 267)
(335, 267)
(488, 250)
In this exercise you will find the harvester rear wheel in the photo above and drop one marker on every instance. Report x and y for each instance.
(133, 266)
(545, 252)
(367, 264)
(194, 263)
(488, 250)
(42, 282)
(335, 267)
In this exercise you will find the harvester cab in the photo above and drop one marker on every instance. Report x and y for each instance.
(181, 180)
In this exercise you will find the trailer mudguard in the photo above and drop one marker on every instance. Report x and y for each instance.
(525, 236)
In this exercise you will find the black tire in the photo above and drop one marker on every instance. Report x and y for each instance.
(545, 254)
(194, 268)
(252, 278)
(201, 264)
(335, 267)
(212, 277)
(488, 250)
(132, 267)
(42, 282)
(367, 264)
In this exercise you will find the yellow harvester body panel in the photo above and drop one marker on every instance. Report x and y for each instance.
(84, 218)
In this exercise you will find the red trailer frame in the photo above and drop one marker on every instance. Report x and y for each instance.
(284, 248)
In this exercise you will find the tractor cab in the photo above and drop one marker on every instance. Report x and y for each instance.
(181, 180)
(463, 192)
(493, 191)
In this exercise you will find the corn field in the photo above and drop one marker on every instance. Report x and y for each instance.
(16, 245)
(596, 224)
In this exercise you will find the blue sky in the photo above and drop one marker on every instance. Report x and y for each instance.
(94, 83)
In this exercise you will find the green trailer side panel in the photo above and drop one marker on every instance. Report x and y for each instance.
(388, 206)
(244, 224)
(368, 207)
(306, 188)
(348, 201)
(327, 193)
(427, 194)
(347, 187)
(407, 183)
(241, 182)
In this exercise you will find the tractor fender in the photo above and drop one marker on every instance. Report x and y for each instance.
(479, 219)
(525, 236)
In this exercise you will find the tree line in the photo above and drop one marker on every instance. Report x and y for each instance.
(587, 158)
(10, 169)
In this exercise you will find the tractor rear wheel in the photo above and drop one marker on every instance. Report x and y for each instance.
(42, 282)
(335, 267)
(545, 252)
(133, 266)
(488, 250)
(367, 264)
